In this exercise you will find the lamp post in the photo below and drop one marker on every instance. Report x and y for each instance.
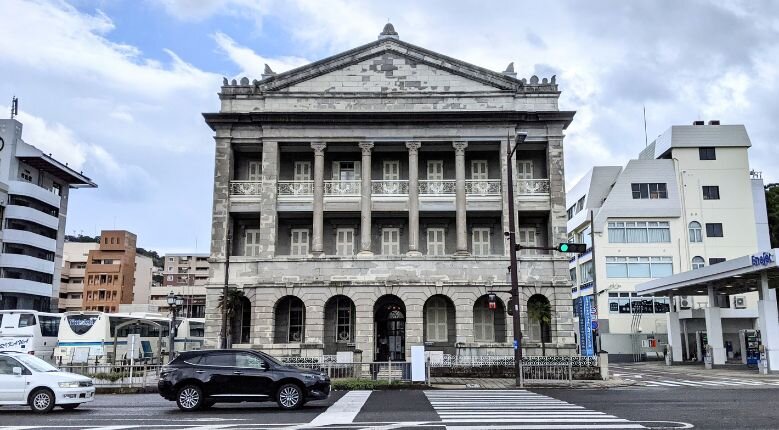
(175, 301)
(521, 136)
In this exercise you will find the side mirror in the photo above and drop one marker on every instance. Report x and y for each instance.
(264, 366)
(17, 371)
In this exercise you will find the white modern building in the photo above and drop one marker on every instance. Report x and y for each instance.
(689, 201)
(34, 189)
(185, 275)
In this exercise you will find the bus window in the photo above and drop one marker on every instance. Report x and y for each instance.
(26, 320)
(81, 324)
(49, 325)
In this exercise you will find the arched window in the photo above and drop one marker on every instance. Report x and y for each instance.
(539, 312)
(696, 236)
(290, 320)
(698, 262)
(489, 325)
(436, 320)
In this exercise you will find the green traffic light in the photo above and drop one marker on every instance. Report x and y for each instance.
(564, 247)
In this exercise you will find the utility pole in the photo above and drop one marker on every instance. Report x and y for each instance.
(521, 136)
(596, 329)
(228, 238)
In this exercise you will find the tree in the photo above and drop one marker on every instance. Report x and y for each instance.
(233, 304)
(539, 310)
(772, 206)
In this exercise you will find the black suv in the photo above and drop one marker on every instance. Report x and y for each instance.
(198, 379)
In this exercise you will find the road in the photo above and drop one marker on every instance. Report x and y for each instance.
(616, 408)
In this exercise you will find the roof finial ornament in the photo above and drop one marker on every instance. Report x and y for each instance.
(388, 32)
(267, 73)
(510, 70)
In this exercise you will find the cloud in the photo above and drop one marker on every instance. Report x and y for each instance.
(252, 64)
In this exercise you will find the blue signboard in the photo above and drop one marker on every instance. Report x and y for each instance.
(585, 310)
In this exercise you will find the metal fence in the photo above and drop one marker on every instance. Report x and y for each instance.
(390, 371)
(117, 376)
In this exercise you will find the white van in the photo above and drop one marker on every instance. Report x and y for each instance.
(29, 331)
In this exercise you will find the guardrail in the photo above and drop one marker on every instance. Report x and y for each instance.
(375, 371)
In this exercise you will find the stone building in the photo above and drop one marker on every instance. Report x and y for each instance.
(362, 202)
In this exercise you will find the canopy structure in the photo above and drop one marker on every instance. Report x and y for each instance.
(750, 273)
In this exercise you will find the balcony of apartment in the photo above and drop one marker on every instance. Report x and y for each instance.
(532, 187)
(25, 286)
(27, 257)
(25, 237)
(17, 211)
(28, 189)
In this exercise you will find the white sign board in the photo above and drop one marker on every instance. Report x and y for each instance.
(344, 357)
(418, 364)
(80, 354)
(133, 345)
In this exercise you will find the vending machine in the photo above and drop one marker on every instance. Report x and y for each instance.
(750, 346)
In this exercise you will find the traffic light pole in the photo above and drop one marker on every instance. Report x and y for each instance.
(513, 257)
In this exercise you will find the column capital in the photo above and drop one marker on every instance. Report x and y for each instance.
(318, 147)
(459, 147)
(366, 147)
(413, 146)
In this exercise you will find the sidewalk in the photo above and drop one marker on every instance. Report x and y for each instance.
(694, 369)
(508, 383)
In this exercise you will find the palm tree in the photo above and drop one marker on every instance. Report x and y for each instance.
(539, 309)
(233, 306)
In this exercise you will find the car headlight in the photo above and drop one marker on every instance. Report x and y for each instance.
(312, 377)
(71, 384)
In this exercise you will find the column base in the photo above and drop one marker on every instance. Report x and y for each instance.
(462, 253)
(365, 254)
(318, 254)
(413, 254)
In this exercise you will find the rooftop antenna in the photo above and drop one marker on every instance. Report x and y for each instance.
(14, 107)
(646, 138)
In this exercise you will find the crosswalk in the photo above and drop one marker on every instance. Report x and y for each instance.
(517, 409)
(670, 380)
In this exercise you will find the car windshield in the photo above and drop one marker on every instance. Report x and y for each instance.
(272, 360)
(35, 363)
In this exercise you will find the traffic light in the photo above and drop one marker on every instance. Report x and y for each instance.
(510, 307)
(577, 248)
(492, 304)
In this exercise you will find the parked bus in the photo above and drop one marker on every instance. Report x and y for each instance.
(29, 331)
(189, 334)
(99, 337)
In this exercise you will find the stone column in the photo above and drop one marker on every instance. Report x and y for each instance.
(459, 165)
(268, 214)
(413, 198)
(365, 200)
(319, 197)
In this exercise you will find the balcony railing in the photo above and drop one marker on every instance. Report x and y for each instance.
(428, 187)
(532, 186)
(342, 188)
(296, 188)
(389, 187)
(245, 188)
(482, 187)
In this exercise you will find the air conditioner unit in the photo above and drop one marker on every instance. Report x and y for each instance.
(684, 302)
(740, 302)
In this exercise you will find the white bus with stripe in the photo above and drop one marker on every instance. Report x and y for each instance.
(29, 331)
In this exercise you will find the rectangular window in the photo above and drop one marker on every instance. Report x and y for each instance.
(390, 241)
(585, 272)
(570, 212)
(714, 229)
(480, 241)
(524, 169)
(347, 171)
(255, 171)
(649, 191)
(573, 276)
(710, 192)
(302, 171)
(296, 321)
(527, 236)
(639, 232)
(26, 175)
(479, 170)
(252, 246)
(344, 241)
(483, 324)
(707, 153)
(436, 242)
(298, 242)
(435, 170)
(391, 170)
(580, 205)
(56, 189)
(343, 313)
(435, 319)
(716, 260)
(639, 267)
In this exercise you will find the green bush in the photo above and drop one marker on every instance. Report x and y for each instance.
(113, 376)
(360, 384)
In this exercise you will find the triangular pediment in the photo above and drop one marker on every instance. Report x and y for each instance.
(389, 66)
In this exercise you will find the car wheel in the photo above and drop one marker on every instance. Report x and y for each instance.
(70, 407)
(289, 396)
(190, 398)
(41, 400)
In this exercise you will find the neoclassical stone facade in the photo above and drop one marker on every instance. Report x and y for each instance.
(363, 198)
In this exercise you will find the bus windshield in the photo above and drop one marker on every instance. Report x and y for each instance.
(80, 324)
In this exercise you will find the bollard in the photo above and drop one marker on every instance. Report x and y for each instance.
(603, 360)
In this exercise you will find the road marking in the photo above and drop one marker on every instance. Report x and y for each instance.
(344, 410)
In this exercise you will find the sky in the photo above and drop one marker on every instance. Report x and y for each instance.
(116, 88)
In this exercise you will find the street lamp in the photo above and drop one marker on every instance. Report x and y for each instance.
(174, 302)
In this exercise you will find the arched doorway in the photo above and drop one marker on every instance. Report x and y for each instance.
(340, 324)
(290, 320)
(242, 322)
(389, 316)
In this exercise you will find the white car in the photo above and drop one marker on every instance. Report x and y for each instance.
(28, 380)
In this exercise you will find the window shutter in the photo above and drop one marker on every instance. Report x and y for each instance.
(336, 170)
(357, 170)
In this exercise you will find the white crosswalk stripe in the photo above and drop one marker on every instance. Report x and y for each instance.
(517, 409)
(708, 383)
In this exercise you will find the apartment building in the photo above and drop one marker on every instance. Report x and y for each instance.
(75, 256)
(688, 201)
(115, 274)
(185, 275)
(34, 190)
(362, 203)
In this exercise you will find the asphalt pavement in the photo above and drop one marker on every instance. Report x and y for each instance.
(615, 408)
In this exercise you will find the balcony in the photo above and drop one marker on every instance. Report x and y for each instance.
(29, 189)
(245, 188)
(532, 187)
(28, 262)
(342, 188)
(29, 238)
(389, 188)
(25, 213)
(23, 286)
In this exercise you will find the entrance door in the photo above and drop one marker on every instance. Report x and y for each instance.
(390, 333)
